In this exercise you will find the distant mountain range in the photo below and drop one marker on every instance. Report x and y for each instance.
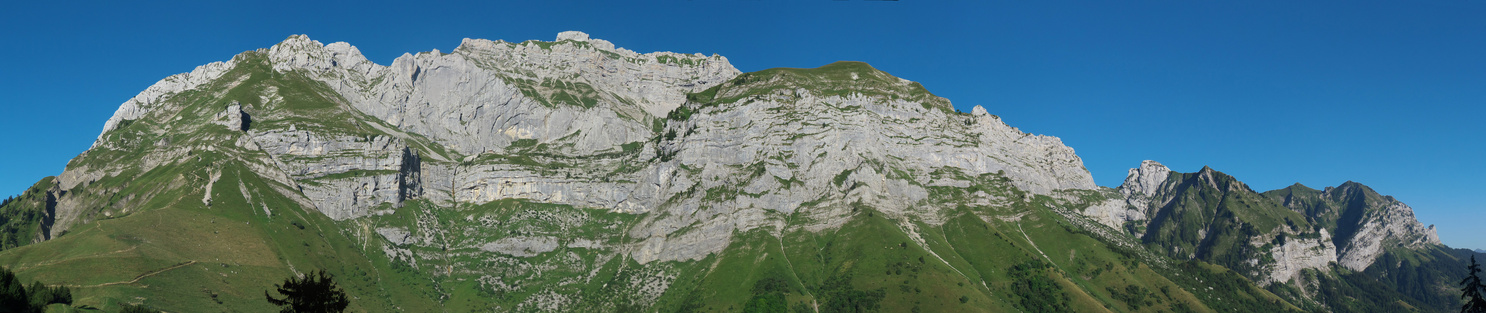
(574, 175)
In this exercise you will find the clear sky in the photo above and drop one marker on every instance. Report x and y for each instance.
(1387, 93)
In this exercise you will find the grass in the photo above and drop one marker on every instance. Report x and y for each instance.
(181, 255)
(843, 78)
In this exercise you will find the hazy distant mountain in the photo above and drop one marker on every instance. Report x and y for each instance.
(577, 176)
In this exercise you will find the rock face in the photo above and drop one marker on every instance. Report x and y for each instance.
(486, 94)
(1298, 254)
(791, 145)
(234, 118)
(345, 176)
(580, 122)
(1380, 222)
(1143, 184)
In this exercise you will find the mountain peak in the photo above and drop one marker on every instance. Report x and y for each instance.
(1352, 187)
(572, 35)
(1353, 184)
(297, 42)
(298, 38)
(1298, 187)
(1147, 178)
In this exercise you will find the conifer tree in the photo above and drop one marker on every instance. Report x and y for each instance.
(1471, 289)
(316, 292)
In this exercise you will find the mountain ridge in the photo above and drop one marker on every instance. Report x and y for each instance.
(575, 175)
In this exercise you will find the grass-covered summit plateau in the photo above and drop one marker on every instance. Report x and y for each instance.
(574, 175)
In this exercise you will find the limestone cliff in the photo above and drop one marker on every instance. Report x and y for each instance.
(581, 122)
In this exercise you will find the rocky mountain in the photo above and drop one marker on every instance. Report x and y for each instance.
(574, 175)
(1188, 213)
(1285, 239)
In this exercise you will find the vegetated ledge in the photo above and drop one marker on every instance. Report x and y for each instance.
(840, 78)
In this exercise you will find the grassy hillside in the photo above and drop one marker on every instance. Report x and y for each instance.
(181, 255)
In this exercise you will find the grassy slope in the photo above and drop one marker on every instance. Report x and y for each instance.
(180, 255)
(842, 78)
(153, 241)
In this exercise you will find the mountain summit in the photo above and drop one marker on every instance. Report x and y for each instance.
(574, 175)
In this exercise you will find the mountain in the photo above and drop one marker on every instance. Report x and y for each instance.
(1344, 248)
(574, 175)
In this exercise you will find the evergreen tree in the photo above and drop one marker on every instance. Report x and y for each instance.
(16, 297)
(1471, 289)
(316, 292)
(13, 297)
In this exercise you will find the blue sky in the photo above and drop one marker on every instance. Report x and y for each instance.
(1387, 93)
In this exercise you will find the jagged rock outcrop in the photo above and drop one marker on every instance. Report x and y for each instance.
(1144, 182)
(1141, 185)
(234, 118)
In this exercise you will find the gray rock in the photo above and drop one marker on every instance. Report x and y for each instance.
(1394, 226)
(233, 117)
(522, 246)
(1298, 254)
(478, 98)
